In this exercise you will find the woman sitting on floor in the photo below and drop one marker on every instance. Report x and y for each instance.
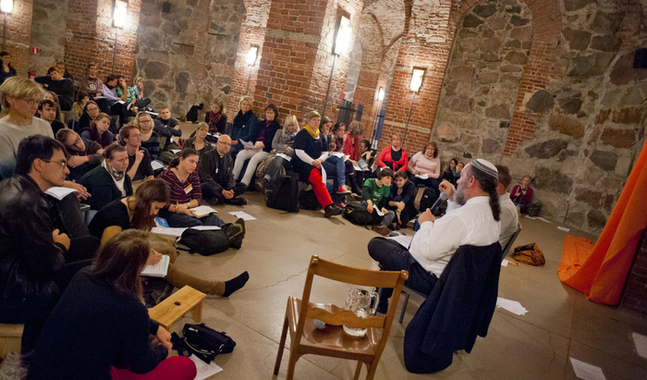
(108, 181)
(139, 212)
(375, 196)
(99, 131)
(402, 197)
(100, 320)
(283, 144)
(244, 120)
(393, 156)
(335, 165)
(426, 163)
(198, 142)
(216, 120)
(150, 138)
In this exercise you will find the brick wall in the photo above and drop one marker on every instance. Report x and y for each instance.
(18, 35)
(635, 291)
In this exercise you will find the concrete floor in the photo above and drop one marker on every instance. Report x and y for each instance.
(560, 322)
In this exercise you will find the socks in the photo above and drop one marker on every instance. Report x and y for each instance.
(235, 284)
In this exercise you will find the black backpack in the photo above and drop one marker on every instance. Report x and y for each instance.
(206, 243)
(429, 196)
(356, 213)
(308, 200)
(285, 194)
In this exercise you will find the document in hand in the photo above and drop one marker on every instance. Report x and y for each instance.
(158, 270)
(202, 211)
(59, 192)
(247, 144)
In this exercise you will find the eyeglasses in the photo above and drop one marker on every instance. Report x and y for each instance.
(62, 164)
(76, 142)
(144, 121)
(32, 102)
(92, 109)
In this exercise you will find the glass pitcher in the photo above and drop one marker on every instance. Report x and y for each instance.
(363, 303)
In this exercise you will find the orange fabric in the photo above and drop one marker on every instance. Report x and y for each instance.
(600, 270)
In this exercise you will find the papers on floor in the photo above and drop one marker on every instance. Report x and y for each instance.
(504, 263)
(531, 217)
(403, 240)
(156, 165)
(177, 231)
(587, 371)
(205, 228)
(284, 156)
(563, 228)
(640, 341)
(243, 215)
(204, 370)
(511, 306)
(422, 176)
(202, 211)
(544, 220)
(158, 270)
(59, 192)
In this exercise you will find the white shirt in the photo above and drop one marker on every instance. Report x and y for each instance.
(10, 137)
(509, 219)
(435, 242)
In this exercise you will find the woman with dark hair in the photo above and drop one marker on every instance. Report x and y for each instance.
(100, 321)
(216, 119)
(90, 111)
(393, 156)
(375, 196)
(261, 137)
(82, 98)
(243, 121)
(424, 167)
(401, 199)
(99, 131)
(138, 212)
(62, 87)
(108, 181)
(6, 70)
(335, 164)
(452, 174)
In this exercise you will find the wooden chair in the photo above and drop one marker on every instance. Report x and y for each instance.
(169, 311)
(332, 341)
(507, 247)
(10, 336)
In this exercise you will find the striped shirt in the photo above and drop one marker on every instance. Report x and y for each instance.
(182, 192)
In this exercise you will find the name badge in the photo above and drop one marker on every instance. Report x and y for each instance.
(188, 189)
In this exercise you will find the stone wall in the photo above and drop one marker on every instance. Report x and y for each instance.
(187, 56)
(48, 29)
(18, 35)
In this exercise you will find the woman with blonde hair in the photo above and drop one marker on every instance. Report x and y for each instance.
(150, 137)
(244, 120)
(198, 141)
(282, 146)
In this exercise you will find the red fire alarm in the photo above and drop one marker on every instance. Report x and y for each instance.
(35, 50)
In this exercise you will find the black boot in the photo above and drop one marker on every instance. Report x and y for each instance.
(332, 210)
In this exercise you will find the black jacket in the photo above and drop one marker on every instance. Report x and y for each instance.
(217, 170)
(28, 254)
(102, 187)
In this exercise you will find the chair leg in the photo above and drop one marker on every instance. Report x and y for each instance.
(404, 306)
(372, 368)
(292, 362)
(279, 354)
(358, 370)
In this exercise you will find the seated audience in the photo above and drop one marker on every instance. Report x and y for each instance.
(36, 260)
(99, 131)
(47, 112)
(50, 95)
(139, 212)
(20, 98)
(432, 247)
(216, 119)
(138, 91)
(90, 112)
(82, 99)
(62, 87)
(426, 163)
(110, 102)
(198, 142)
(108, 181)
(216, 171)
(334, 165)
(283, 144)
(139, 160)
(92, 85)
(308, 144)
(375, 196)
(509, 214)
(326, 128)
(401, 199)
(125, 93)
(6, 70)
(150, 138)
(243, 120)
(260, 136)
(365, 162)
(101, 318)
(352, 150)
(60, 66)
(521, 195)
(451, 174)
(186, 193)
(167, 127)
(83, 154)
(394, 157)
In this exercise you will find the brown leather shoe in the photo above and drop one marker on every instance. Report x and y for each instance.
(382, 229)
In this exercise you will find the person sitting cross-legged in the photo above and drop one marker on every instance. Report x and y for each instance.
(434, 244)
(375, 196)
(139, 160)
(216, 172)
(521, 195)
(167, 127)
(150, 138)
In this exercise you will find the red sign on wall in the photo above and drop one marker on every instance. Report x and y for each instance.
(35, 50)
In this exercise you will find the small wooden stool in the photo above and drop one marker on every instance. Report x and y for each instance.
(10, 336)
(167, 312)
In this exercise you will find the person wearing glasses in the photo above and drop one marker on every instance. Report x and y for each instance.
(90, 112)
(83, 154)
(37, 261)
(150, 138)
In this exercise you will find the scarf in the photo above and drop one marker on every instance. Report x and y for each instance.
(314, 134)
(117, 176)
(214, 118)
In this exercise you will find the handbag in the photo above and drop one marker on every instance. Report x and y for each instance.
(529, 254)
(203, 341)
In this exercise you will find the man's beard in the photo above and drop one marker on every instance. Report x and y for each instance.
(459, 197)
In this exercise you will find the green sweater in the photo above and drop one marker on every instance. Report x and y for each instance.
(378, 195)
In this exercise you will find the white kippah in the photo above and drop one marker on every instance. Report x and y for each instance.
(486, 167)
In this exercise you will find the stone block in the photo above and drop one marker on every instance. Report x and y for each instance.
(516, 58)
(565, 154)
(155, 70)
(490, 146)
(606, 43)
(462, 73)
(488, 77)
(596, 220)
(471, 21)
(609, 201)
(635, 96)
(490, 44)
(618, 138)
(573, 5)
(497, 23)
(490, 56)
(591, 197)
(469, 44)
(181, 82)
(485, 10)
(546, 149)
(541, 102)
(624, 163)
(566, 125)
(629, 115)
(604, 160)
(575, 218)
(518, 21)
(577, 39)
(510, 69)
(606, 23)
(460, 103)
(498, 112)
(552, 180)
(523, 34)
(571, 104)
(446, 132)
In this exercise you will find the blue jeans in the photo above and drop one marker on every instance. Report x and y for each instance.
(335, 165)
(183, 220)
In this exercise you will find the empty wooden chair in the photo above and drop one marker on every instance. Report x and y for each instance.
(332, 340)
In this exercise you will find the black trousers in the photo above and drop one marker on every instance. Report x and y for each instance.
(213, 192)
(394, 257)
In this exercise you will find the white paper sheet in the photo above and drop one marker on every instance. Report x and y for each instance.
(247, 144)
(204, 370)
(563, 228)
(158, 270)
(543, 219)
(587, 371)
(168, 230)
(243, 215)
(284, 156)
(59, 192)
(201, 211)
(403, 240)
(531, 217)
(156, 165)
(511, 306)
(422, 176)
(504, 263)
(640, 341)
(205, 228)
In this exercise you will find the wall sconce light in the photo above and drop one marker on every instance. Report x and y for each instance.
(252, 54)
(416, 82)
(380, 94)
(342, 41)
(6, 6)
(119, 19)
